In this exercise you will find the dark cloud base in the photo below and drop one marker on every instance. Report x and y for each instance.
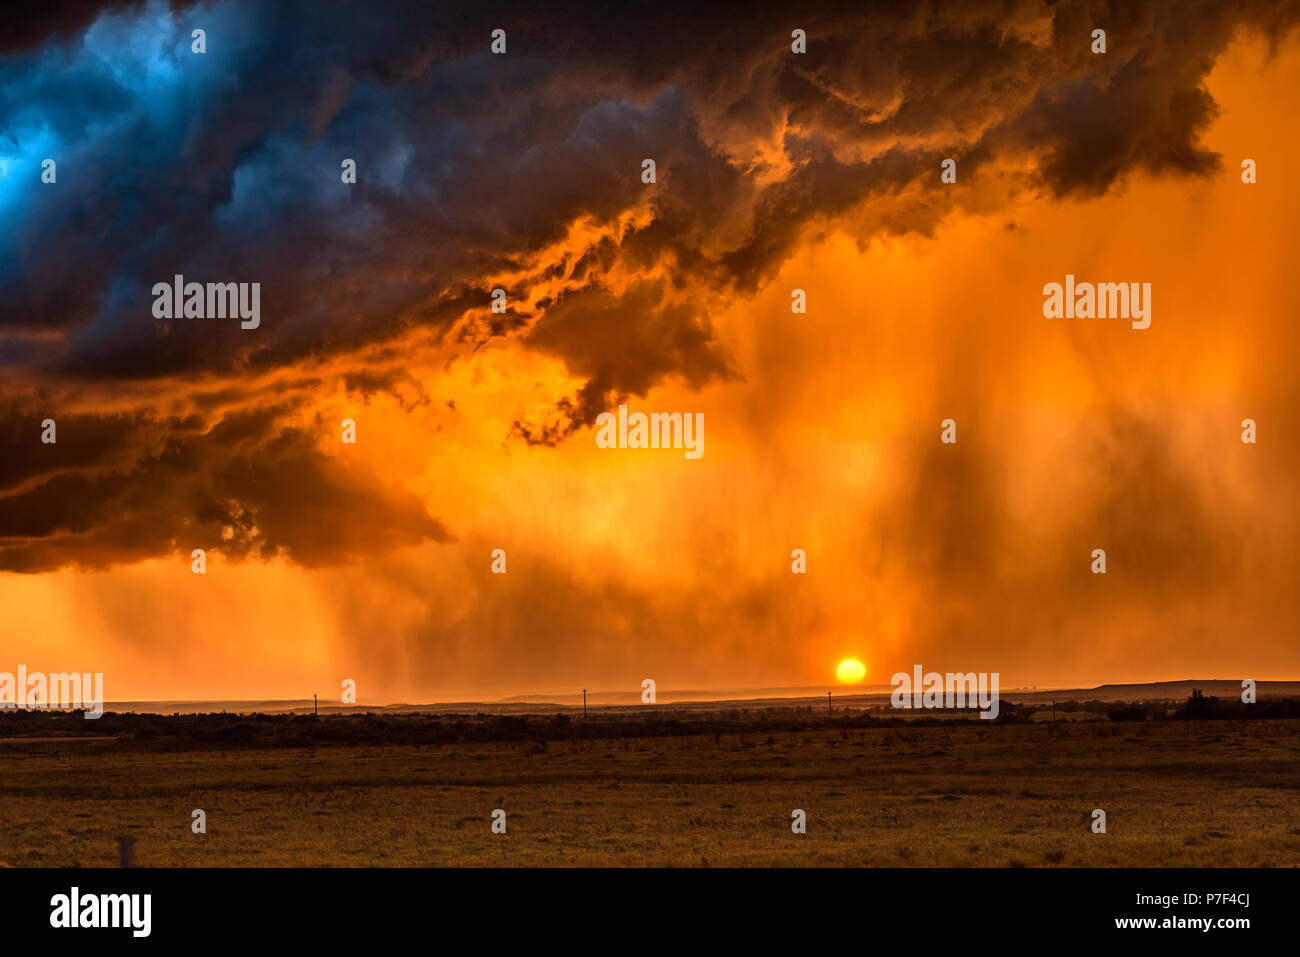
(225, 167)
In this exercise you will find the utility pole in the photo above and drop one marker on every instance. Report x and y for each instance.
(828, 704)
(584, 705)
(315, 708)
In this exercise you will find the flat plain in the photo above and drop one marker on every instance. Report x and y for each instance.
(1206, 793)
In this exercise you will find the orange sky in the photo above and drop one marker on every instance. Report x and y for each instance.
(823, 434)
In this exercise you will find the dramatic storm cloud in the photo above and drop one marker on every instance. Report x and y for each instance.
(774, 171)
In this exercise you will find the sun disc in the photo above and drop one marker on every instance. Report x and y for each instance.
(851, 671)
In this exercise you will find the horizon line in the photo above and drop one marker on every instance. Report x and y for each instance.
(789, 692)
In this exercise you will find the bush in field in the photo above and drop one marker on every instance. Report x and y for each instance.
(1127, 713)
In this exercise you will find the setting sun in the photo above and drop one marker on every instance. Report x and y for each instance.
(850, 671)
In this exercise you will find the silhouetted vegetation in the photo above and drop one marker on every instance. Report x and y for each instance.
(1200, 707)
(229, 731)
(1121, 712)
(234, 731)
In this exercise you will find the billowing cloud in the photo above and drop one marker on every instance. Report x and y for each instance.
(523, 172)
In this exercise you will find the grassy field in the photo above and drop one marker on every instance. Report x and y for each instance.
(1206, 794)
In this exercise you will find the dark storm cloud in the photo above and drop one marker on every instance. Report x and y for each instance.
(225, 167)
(99, 441)
(227, 164)
(117, 488)
(620, 344)
(55, 21)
